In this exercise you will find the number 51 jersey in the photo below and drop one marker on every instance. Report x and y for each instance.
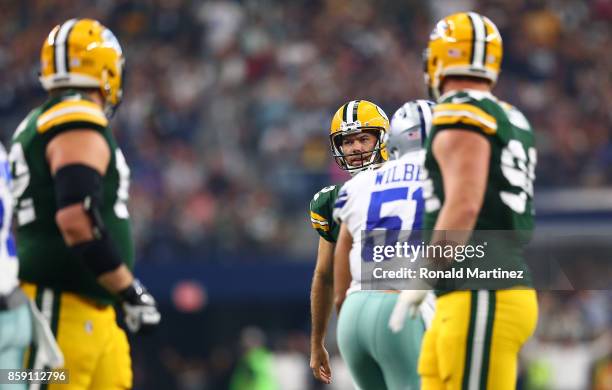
(44, 258)
(389, 198)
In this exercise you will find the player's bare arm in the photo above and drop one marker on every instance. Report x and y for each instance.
(342, 273)
(88, 148)
(321, 303)
(463, 157)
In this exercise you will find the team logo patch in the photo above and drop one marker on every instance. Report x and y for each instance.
(442, 29)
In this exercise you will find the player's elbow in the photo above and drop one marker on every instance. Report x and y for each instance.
(469, 210)
(465, 208)
(324, 276)
(74, 224)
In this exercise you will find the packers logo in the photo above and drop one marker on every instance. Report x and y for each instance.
(440, 30)
(382, 113)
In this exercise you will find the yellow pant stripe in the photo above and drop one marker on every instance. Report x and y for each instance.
(482, 313)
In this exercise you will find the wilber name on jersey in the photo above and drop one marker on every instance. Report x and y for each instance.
(398, 173)
(389, 198)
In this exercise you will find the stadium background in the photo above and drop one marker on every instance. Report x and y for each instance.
(224, 125)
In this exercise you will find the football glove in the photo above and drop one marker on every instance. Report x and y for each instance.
(139, 308)
(407, 303)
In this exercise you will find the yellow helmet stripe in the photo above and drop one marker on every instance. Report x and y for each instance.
(478, 40)
(60, 46)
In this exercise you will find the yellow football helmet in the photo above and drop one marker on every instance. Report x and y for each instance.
(354, 117)
(82, 53)
(463, 44)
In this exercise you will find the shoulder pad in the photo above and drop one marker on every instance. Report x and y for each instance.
(463, 109)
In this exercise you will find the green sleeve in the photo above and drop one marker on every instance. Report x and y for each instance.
(321, 212)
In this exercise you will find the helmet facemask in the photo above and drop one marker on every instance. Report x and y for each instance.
(433, 79)
(112, 96)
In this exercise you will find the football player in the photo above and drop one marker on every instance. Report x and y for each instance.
(73, 227)
(383, 199)
(480, 164)
(356, 138)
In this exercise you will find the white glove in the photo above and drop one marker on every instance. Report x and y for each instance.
(408, 302)
(48, 353)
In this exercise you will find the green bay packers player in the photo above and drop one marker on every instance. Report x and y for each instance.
(356, 138)
(480, 163)
(387, 200)
(73, 227)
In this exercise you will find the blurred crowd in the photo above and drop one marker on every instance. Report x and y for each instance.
(571, 350)
(228, 103)
(225, 127)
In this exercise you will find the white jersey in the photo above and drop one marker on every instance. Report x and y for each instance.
(388, 198)
(8, 254)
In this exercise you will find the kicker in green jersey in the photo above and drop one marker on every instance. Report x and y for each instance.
(44, 258)
(321, 213)
(508, 200)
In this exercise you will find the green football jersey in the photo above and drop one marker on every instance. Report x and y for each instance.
(508, 201)
(321, 213)
(44, 258)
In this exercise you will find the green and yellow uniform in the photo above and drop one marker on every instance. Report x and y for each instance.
(508, 200)
(476, 334)
(77, 307)
(321, 213)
